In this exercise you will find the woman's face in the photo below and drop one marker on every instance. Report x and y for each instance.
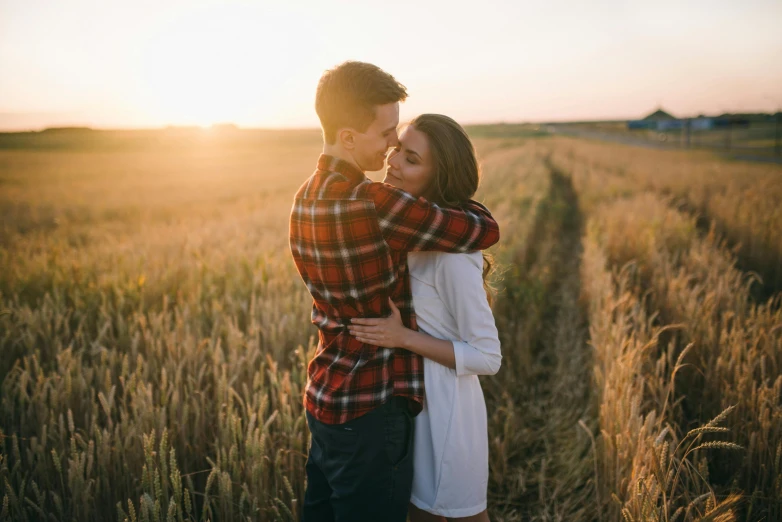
(410, 163)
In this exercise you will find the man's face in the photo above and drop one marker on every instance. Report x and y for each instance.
(372, 145)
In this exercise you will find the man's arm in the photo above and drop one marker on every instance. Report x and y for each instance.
(409, 223)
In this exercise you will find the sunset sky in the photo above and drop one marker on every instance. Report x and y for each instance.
(147, 63)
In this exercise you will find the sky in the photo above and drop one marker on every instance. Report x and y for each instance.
(123, 64)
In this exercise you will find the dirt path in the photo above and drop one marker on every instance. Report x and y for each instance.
(550, 469)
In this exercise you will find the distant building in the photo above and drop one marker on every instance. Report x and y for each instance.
(658, 120)
(702, 123)
(641, 124)
(662, 121)
(745, 118)
(670, 125)
(660, 115)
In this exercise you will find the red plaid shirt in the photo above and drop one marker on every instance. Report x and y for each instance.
(349, 237)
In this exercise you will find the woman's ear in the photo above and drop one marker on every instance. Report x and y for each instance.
(346, 138)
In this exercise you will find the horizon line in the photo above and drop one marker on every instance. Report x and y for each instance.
(226, 125)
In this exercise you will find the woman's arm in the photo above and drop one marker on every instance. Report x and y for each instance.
(459, 281)
(389, 332)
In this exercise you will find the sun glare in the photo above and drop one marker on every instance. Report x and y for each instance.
(208, 67)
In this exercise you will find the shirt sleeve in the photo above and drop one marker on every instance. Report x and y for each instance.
(459, 281)
(412, 224)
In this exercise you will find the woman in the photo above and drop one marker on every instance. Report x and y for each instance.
(458, 338)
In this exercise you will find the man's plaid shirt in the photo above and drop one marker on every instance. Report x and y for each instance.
(349, 237)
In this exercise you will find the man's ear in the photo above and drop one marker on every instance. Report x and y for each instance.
(346, 138)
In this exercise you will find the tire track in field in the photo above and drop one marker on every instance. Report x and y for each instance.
(549, 473)
(770, 283)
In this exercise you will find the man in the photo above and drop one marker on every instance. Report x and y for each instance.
(349, 238)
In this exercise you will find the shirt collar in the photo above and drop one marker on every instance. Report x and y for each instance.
(334, 164)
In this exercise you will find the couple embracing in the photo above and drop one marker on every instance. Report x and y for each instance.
(395, 269)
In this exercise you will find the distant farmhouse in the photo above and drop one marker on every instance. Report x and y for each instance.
(660, 115)
(658, 120)
(661, 120)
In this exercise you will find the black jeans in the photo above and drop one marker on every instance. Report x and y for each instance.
(362, 470)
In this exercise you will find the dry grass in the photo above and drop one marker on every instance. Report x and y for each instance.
(164, 309)
(155, 332)
(644, 468)
(743, 200)
(735, 355)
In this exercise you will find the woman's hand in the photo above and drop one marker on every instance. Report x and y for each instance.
(388, 332)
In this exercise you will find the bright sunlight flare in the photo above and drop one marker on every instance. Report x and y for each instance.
(213, 65)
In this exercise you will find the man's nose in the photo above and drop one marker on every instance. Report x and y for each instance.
(394, 141)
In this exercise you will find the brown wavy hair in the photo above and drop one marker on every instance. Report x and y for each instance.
(456, 171)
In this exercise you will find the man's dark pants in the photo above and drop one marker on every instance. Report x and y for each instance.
(362, 470)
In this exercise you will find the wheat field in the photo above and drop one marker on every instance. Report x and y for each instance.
(154, 332)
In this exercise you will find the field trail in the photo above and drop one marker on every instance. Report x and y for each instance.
(551, 479)
(767, 283)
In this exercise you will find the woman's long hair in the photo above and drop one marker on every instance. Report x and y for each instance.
(456, 171)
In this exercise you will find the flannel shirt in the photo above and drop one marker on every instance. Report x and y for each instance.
(349, 237)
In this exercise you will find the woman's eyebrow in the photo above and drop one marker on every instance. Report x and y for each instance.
(411, 151)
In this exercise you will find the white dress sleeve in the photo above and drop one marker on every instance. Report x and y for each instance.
(459, 282)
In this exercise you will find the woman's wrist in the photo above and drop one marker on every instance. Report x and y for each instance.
(408, 339)
(439, 350)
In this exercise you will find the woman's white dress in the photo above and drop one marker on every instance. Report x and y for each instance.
(451, 453)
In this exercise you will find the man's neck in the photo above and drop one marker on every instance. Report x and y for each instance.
(338, 152)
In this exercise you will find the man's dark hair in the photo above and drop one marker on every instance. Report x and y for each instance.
(348, 93)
